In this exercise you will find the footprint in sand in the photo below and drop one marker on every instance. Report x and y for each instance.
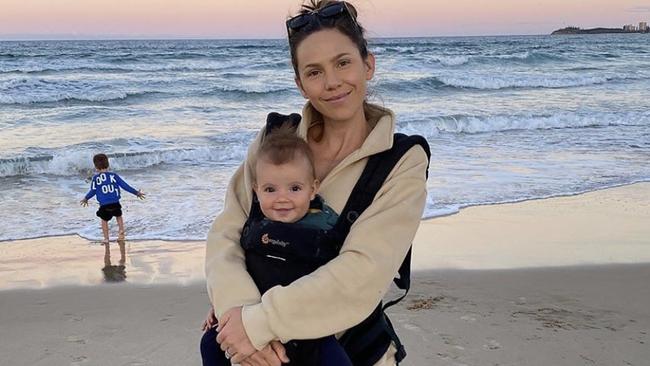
(449, 340)
(468, 318)
(453, 358)
(557, 318)
(492, 345)
(73, 318)
(448, 357)
(78, 360)
(428, 303)
(411, 327)
(75, 339)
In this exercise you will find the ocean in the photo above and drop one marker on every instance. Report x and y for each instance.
(508, 119)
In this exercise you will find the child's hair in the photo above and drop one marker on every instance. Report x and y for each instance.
(100, 161)
(282, 145)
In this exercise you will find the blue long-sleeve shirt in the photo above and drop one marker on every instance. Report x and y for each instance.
(106, 185)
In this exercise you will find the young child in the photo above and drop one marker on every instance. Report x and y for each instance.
(106, 186)
(277, 241)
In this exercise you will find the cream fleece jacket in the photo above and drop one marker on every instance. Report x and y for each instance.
(343, 292)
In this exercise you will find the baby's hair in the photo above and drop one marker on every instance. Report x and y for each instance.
(282, 145)
(100, 161)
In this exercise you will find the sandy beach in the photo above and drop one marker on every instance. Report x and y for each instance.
(560, 281)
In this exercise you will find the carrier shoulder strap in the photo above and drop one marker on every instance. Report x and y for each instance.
(372, 178)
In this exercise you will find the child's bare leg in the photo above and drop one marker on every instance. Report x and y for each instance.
(122, 252)
(105, 231)
(107, 255)
(120, 225)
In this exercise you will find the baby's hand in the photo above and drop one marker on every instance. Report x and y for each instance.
(210, 321)
(84, 202)
(141, 195)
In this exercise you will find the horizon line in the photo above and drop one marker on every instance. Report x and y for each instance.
(201, 38)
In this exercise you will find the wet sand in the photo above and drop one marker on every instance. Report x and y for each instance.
(601, 227)
(586, 304)
(75, 261)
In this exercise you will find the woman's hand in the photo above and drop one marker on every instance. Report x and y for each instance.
(232, 336)
(273, 354)
(210, 321)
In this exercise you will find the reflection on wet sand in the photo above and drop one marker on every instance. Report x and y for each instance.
(71, 260)
(115, 273)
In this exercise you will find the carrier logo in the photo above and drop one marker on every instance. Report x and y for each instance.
(267, 240)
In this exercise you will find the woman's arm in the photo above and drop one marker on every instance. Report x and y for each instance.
(343, 292)
(229, 284)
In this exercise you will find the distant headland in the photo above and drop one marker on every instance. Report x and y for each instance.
(628, 28)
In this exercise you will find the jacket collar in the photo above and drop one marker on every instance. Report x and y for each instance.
(380, 137)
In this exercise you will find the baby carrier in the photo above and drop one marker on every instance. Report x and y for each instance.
(293, 258)
(279, 253)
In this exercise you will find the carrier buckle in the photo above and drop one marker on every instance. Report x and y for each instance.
(400, 354)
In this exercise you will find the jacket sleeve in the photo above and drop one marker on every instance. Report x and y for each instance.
(228, 282)
(125, 186)
(93, 190)
(356, 280)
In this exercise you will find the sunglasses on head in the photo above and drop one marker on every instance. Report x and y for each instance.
(330, 11)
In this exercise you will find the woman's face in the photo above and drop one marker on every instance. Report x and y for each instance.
(332, 74)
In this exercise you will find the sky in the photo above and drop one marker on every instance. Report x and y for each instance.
(117, 19)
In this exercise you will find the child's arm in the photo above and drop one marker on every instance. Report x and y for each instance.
(90, 194)
(128, 188)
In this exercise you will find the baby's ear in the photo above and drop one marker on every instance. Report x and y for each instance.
(315, 186)
(255, 187)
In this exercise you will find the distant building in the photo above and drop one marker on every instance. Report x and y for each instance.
(643, 26)
(629, 28)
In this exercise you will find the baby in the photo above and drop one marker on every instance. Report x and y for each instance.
(285, 237)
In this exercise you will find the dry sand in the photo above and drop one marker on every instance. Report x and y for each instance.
(102, 325)
(564, 316)
(55, 308)
(592, 315)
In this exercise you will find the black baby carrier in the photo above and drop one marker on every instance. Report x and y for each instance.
(279, 253)
(369, 340)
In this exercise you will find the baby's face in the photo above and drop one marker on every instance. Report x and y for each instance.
(285, 190)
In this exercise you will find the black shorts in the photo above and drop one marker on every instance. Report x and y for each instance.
(107, 212)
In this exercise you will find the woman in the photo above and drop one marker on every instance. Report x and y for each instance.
(332, 67)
